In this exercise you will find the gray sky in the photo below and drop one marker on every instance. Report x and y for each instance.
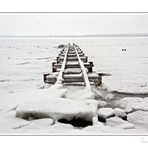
(60, 24)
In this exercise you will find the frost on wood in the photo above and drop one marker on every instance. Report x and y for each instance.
(59, 78)
(84, 72)
(72, 70)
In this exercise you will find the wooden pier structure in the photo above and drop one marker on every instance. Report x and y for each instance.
(73, 68)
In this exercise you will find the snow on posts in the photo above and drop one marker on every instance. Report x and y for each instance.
(60, 76)
(87, 83)
(85, 76)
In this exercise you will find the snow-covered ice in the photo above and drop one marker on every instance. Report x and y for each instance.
(23, 61)
(101, 103)
(139, 118)
(57, 108)
(119, 113)
(119, 123)
(130, 104)
(105, 112)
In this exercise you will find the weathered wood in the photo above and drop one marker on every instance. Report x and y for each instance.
(54, 69)
(72, 71)
(85, 76)
(70, 78)
(50, 78)
(72, 66)
(60, 59)
(72, 55)
(87, 65)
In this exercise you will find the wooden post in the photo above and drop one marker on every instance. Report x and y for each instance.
(100, 76)
(57, 59)
(86, 59)
(44, 76)
(53, 68)
(90, 68)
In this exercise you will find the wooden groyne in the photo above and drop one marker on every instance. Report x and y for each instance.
(73, 68)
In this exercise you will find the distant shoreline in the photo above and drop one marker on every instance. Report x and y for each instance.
(76, 36)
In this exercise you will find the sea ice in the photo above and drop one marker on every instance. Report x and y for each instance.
(119, 112)
(130, 104)
(57, 108)
(138, 118)
(117, 122)
(105, 112)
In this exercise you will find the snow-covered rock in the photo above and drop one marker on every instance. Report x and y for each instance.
(105, 112)
(119, 123)
(119, 113)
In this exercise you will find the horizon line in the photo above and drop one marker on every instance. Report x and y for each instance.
(81, 35)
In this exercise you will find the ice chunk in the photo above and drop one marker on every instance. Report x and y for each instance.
(119, 123)
(119, 112)
(108, 96)
(101, 103)
(38, 124)
(138, 117)
(105, 112)
(61, 126)
(114, 121)
(57, 108)
(8, 121)
(133, 103)
(100, 128)
(126, 126)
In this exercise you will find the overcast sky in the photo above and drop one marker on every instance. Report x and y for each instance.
(64, 24)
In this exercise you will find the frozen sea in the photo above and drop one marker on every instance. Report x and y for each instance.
(24, 60)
